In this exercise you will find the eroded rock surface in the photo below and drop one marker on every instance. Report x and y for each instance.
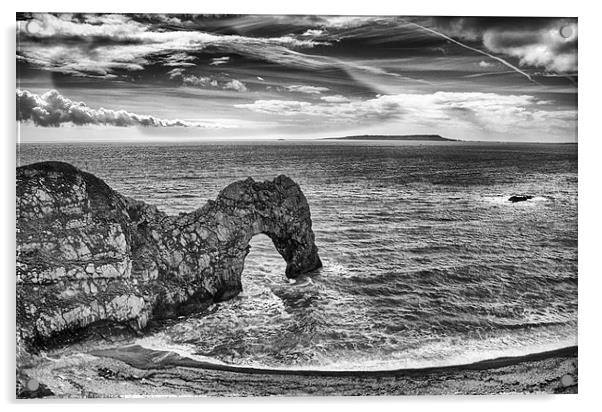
(87, 255)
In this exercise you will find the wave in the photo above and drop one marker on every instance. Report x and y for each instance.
(503, 200)
(149, 358)
(441, 353)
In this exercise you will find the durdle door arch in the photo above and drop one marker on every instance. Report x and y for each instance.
(87, 255)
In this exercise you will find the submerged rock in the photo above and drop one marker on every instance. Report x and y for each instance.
(519, 198)
(88, 256)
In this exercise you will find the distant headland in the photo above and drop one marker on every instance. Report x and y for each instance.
(423, 137)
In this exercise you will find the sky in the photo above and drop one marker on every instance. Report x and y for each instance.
(147, 77)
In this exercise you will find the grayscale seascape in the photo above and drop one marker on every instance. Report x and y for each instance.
(427, 264)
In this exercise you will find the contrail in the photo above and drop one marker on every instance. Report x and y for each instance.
(499, 59)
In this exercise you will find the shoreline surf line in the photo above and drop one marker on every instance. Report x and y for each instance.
(143, 358)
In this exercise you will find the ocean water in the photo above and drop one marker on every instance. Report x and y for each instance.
(425, 261)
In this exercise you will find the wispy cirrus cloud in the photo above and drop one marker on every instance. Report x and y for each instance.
(474, 49)
(52, 109)
(219, 60)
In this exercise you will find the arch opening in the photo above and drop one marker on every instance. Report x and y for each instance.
(263, 264)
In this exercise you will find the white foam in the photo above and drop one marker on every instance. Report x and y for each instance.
(160, 342)
(502, 200)
(426, 356)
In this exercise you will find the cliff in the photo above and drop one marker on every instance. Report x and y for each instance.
(88, 256)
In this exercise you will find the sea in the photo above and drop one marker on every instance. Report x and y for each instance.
(426, 262)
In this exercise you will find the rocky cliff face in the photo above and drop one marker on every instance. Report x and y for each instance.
(87, 255)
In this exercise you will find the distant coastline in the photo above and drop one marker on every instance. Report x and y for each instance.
(421, 137)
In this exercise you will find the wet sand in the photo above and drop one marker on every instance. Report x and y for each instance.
(134, 371)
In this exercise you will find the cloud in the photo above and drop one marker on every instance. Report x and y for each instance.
(353, 22)
(485, 111)
(307, 89)
(535, 42)
(101, 45)
(107, 45)
(485, 64)
(46, 25)
(125, 30)
(468, 47)
(313, 32)
(176, 73)
(355, 111)
(194, 81)
(282, 107)
(235, 85)
(547, 48)
(337, 98)
(191, 80)
(79, 45)
(179, 60)
(52, 110)
(219, 60)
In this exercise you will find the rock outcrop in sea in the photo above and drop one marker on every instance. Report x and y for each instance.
(88, 256)
(519, 198)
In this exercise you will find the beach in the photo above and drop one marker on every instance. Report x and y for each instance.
(132, 371)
